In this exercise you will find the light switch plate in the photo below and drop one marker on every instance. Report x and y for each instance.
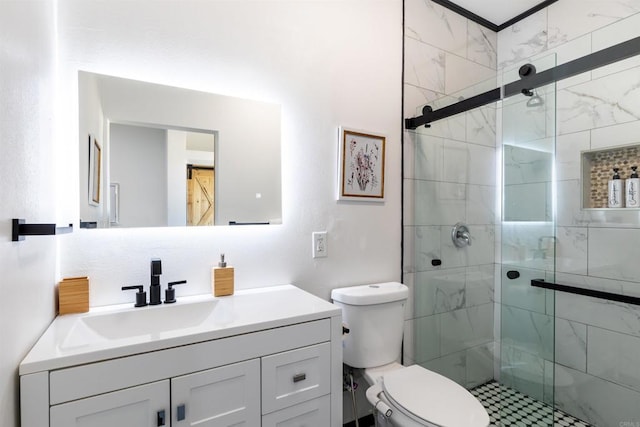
(319, 240)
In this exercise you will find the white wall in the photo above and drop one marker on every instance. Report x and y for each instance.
(326, 63)
(176, 172)
(91, 122)
(27, 188)
(138, 162)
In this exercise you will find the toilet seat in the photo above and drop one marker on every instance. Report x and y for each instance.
(426, 396)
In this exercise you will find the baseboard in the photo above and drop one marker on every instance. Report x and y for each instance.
(366, 421)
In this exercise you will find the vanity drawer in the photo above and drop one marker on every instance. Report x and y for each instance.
(313, 413)
(295, 376)
(70, 383)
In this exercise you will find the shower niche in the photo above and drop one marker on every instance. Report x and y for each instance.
(597, 170)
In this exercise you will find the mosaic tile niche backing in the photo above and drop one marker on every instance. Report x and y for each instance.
(598, 170)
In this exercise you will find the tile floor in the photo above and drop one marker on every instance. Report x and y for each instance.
(508, 407)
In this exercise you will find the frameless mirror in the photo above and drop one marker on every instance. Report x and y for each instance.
(154, 156)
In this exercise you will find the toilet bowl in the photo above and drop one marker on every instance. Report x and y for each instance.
(414, 396)
(402, 396)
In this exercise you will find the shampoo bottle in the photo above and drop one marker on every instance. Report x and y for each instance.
(615, 190)
(631, 189)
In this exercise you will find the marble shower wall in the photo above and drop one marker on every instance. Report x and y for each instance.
(449, 177)
(597, 342)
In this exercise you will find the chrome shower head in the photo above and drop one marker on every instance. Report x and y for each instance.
(535, 100)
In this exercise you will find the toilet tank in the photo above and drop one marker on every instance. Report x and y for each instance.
(374, 315)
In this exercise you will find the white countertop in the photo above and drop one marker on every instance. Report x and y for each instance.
(69, 341)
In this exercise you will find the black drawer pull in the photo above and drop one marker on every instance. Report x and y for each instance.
(161, 418)
(299, 377)
(181, 413)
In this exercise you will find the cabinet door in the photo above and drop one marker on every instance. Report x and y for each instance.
(220, 397)
(142, 406)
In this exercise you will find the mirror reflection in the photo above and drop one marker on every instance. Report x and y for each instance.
(175, 157)
(528, 177)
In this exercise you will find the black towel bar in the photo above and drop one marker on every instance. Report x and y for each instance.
(20, 229)
(540, 283)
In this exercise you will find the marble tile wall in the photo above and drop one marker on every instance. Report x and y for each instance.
(449, 177)
(597, 342)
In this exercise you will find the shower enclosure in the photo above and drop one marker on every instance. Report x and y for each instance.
(541, 311)
(478, 320)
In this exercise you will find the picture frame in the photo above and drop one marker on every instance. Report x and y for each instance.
(361, 165)
(95, 171)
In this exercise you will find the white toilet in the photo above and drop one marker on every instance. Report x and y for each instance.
(405, 396)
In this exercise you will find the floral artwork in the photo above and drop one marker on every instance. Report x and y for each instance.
(361, 165)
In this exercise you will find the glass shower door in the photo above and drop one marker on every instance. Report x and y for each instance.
(528, 245)
(451, 179)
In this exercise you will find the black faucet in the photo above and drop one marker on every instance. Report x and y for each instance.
(154, 289)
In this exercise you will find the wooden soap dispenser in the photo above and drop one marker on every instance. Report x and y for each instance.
(222, 279)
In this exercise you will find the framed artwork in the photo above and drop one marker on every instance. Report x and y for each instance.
(95, 171)
(361, 165)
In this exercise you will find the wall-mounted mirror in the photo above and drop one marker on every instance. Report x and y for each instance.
(154, 155)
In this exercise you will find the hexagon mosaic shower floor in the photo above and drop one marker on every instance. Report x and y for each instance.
(508, 407)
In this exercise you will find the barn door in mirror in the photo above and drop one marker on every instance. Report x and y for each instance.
(200, 200)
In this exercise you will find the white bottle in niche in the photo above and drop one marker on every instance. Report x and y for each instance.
(631, 189)
(615, 190)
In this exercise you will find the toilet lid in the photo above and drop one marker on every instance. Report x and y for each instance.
(426, 395)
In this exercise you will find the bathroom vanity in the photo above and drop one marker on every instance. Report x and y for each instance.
(261, 357)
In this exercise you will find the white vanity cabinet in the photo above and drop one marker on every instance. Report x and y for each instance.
(285, 373)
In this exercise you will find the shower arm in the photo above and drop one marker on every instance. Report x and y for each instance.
(530, 81)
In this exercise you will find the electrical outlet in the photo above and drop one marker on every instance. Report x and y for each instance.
(319, 240)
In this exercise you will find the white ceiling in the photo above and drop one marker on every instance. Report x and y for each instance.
(497, 11)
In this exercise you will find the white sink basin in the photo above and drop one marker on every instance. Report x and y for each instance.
(149, 320)
(136, 322)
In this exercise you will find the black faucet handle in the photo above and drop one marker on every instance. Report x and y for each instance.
(170, 293)
(141, 295)
(156, 267)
